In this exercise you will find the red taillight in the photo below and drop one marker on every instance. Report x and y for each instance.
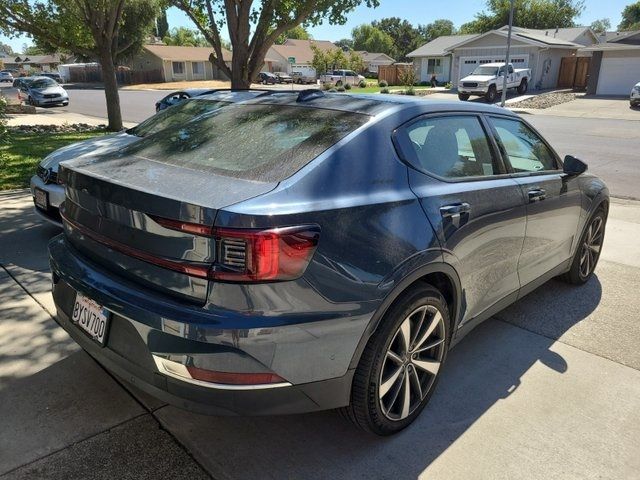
(264, 255)
(231, 378)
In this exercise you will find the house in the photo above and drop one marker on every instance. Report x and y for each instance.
(33, 63)
(180, 63)
(453, 57)
(374, 60)
(295, 56)
(615, 64)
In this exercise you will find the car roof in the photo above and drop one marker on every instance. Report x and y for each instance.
(369, 104)
(233, 95)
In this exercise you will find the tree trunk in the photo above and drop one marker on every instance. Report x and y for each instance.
(240, 75)
(111, 91)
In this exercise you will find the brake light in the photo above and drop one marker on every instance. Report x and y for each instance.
(249, 255)
(264, 255)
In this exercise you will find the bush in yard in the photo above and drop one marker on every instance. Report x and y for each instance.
(384, 90)
(424, 83)
(383, 84)
(347, 86)
(362, 84)
(410, 91)
(448, 86)
(326, 86)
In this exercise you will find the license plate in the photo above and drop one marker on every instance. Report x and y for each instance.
(91, 317)
(41, 198)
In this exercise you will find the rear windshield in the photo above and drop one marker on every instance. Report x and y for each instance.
(175, 116)
(256, 142)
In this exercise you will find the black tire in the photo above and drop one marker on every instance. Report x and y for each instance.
(366, 407)
(463, 97)
(491, 94)
(523, 87)
(579, 273)
(339, 83)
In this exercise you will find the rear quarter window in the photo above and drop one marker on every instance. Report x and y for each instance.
(255, 142)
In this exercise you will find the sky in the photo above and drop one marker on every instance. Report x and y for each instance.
(416, 11)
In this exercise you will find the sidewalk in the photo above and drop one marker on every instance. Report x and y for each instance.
(550, 388)
(57, 117)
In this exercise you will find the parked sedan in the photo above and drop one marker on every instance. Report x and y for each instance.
(634, 99)
(283, 77)
(267, 78)
(46, 188)
(52, 75)
(180, 96)
(6, 76)
(45, 92)
(303, 252)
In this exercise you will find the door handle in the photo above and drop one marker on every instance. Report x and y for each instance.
(536, 195)
(455, 210)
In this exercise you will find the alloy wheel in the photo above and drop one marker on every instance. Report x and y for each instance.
(591, 246)
(412, 362)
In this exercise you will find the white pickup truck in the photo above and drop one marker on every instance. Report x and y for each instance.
(341, 77)
(487, 80)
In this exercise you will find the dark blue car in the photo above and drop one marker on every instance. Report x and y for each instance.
(300, 252)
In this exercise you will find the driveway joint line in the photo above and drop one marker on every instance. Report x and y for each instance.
(26, 291)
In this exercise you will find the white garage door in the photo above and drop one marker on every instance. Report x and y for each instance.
(618, 75)
(469, 64)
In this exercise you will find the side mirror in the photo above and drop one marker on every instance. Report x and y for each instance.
(573, 166)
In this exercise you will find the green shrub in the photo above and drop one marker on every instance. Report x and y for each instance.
(340, 89)
(448, 86)
(333, 90)
(383, 84)
(347, 86)
(384, 90)
(424, 83)
(410, 91)
(362, 84)
(326, 86)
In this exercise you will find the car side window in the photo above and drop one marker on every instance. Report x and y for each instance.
(525, 150)
(452, 147)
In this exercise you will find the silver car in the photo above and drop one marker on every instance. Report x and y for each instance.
(6, 76)
(634, 99)
(44, 91)
(48, 193)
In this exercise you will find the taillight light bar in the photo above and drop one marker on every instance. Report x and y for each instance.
(252, 255)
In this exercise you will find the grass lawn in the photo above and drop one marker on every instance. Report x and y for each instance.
(21, 153)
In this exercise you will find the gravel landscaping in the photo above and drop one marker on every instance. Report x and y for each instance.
(64, 128)
(546, 100)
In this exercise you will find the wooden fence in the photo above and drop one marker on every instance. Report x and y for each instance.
(574, 72)
(392, 73)
(125, 76)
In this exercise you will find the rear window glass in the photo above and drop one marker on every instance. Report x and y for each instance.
(256, 142)
(175, 116)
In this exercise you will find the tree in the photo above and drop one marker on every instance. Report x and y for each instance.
(32, 50)
(296, 33)
(6, 48)
(405, 37)
(356, 63)
(254, 26)
(540, 14)
(602, 25)
(185, 37)
(630, 17)
(321, 60)
(106, 30)
(372, 39)
(344, 44)
(162, 25)
(435, 29)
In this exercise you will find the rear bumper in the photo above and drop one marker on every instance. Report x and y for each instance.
(55, 195)
(138, 335)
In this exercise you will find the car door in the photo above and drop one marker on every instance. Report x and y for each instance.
(475, 208)
(553, 198)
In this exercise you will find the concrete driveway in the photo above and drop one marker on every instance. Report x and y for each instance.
(550, 388)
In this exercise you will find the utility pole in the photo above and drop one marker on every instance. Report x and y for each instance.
(506, 63)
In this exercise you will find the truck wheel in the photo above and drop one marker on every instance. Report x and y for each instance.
(491, 94)
(463, 97)
(339, 83)
(523, 87)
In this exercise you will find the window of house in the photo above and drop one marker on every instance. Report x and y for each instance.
(197, 68)
(434, 65)
(178, 68)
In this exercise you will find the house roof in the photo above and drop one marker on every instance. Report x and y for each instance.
(632, 37)
(301, 49)
(611, 46)
(527, 35)
(185, 54)
(370, 56)
(33, 59)
(552, 36)
(439, 47)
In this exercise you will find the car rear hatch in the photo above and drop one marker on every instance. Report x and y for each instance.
(147, 212)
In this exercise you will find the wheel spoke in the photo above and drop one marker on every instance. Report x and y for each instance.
(405, 333)
(389, 382)
(406, 401)
(430, 366)
(394, 357)
(429, 345)
(435, 321)
(416, 382)
(394, 395)
(423, 313)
